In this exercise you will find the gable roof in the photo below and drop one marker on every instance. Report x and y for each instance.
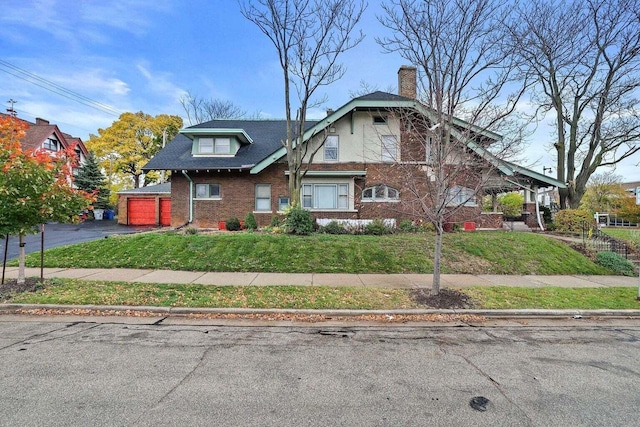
(264, 146)
(36, 133)
(375, 100)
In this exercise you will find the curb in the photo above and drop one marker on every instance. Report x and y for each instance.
(181, 311)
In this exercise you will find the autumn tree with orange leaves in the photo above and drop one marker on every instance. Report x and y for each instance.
(36, 186)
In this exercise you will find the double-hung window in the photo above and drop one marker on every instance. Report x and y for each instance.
(389, 148)
(207, 191)
(263, 197)
(331, 148)
(325, 196)
(50, 144)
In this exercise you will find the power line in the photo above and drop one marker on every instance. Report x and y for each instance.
(56, 88)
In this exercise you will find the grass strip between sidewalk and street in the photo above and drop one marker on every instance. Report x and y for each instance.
(81, 292)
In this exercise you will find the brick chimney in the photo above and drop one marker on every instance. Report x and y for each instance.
(41, 122)
(407, 81)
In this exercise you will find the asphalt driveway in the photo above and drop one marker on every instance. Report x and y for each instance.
(68, 234)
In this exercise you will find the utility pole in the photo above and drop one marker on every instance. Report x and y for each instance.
(12, 112)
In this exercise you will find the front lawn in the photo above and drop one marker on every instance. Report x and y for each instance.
(463, 253)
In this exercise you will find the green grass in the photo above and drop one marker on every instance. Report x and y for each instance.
(629, 235)
(502, 297)
(463, 253)
(80, 292)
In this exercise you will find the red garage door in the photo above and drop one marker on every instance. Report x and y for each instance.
(141, 211)
(165, 211)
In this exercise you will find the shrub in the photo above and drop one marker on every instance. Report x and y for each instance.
(615, 263)
(573, 220)
(275, 221)
(546, 214)
(250, 222)
(233, 224)
(511, 203)
(407, 226)
(298, 221)
(377, 227)
(191, 231)
(334, 227)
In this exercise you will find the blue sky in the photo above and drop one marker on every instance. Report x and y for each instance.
(143, 55)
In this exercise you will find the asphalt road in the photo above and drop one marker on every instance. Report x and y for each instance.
(94, 374)
(67, 234)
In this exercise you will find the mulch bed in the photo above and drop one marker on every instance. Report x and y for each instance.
(446, 299)
(11, 287)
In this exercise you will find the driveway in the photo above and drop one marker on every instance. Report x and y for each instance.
(68, 234)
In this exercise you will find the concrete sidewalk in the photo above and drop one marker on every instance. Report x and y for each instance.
(326, 279)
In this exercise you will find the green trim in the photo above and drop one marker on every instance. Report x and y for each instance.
(333, 173)
(240, 134)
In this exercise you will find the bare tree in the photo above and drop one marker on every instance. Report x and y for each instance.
(199, 110)
(466, 73)
(309, 36)
(585, 58)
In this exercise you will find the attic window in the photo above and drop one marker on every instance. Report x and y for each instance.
(50, 144)
(214, 146)
(379, 120)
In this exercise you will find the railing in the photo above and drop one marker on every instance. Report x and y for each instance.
(599, 241)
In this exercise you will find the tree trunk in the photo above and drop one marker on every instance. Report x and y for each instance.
(435, 288)
(21, 274)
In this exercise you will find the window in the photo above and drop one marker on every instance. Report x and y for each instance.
(214, 146)
(50, 144)
(380, 193)
(263, 197)
(379, 120)
(389, 148)
(222, 145)
(283, 203)
(331, 148)
(207, 191)
(459, 195)
(325, 196)
(428, 147)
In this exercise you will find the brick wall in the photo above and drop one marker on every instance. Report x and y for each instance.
(237, 195)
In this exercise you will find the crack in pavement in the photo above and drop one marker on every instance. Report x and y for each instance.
(493, 382)
(35, 336)
(187, 376)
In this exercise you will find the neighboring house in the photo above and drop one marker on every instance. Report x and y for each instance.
(227, 168)
(631, 188)
(43, 135)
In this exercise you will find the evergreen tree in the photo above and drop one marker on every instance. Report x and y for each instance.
(91, 179)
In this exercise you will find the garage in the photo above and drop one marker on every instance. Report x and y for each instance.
(165, 211)
(145, 206)
(141, 211)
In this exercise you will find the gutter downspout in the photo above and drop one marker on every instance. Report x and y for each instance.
(538, 209)
(190, 196)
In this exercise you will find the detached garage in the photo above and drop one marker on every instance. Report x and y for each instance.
(145, 206)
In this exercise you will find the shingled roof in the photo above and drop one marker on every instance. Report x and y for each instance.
(266, 136)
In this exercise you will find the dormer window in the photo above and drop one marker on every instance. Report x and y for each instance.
(214, 146)
(50, 144)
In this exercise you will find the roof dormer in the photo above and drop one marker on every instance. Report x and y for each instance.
(209, 142)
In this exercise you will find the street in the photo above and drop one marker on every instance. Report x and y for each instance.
(68, 234)
(58, 371)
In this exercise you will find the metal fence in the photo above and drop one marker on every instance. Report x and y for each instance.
(600, 242)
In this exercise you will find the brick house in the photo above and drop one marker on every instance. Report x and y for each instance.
(227, 168)
(43, 135)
